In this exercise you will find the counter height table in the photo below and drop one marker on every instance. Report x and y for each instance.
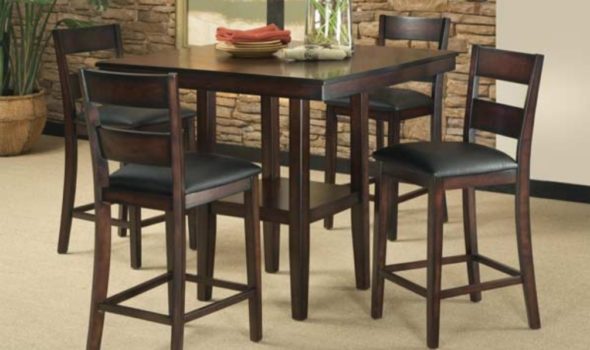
(295, 201)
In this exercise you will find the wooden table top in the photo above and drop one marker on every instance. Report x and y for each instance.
(204, 67)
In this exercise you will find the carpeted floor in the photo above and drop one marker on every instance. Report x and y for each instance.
(44, 297)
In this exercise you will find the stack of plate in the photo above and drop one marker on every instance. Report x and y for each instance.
(251, 49)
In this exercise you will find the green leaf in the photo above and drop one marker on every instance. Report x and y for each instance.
(75, 23)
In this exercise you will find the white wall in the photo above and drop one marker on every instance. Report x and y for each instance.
(561, 31)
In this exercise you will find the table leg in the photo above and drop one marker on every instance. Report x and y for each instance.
(271, 172)
(206, 139)
(359, 180)
(206, 113)
(299, 206)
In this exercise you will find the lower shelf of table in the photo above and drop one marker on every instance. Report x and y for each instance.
(325, 200)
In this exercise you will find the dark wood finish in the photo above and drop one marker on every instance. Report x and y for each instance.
(359, 183)
(70, 42)
(470, 230)
(502, 119)
(371, 67)
(271, 173)
(299, 201)
(299, 205)
(434, 267)
(331, 149)
(507, 121)
(395, 28)
(252, 223)
(324, 200)
(135, 237)
(206, 239)
(380, 245)
(75, 41)
(164, 93)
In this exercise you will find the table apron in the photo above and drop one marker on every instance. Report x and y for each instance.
(292, 88)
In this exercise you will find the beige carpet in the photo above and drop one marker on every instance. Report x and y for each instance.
(44, 297)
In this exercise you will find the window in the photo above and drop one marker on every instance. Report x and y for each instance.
(204, 16)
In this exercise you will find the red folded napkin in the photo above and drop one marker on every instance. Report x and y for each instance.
(266, 33)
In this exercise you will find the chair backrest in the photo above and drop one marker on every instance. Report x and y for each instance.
(497, 118)
(414, 28)
(81, 40)
(158, 91)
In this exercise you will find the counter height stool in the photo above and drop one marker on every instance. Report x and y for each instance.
(466, 165)
(394, 105)
(84, 40)
(159, 175)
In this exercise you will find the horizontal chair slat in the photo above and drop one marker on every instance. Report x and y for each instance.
(217, 283)
(499, 283)
(137, 290)
(404, 282)
(93, 38)
(153, 220)
(136, 313)
(423, 263)
(497, 118)
(84, 208)
(131, 146)
(496, 265)
(515, 67)
(91, 217)
(216, 306)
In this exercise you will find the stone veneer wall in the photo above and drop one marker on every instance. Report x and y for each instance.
(149, 25)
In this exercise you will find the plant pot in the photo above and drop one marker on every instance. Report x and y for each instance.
(22, 119)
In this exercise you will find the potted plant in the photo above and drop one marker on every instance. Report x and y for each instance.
(24, 36)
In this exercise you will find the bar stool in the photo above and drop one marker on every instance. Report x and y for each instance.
(159, 174)
(465, 165)
(394, 105)
(85, 40)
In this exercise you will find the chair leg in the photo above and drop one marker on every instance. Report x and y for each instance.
(191, 145)
(135, 236)
(331, 154)
(382, 203)
(206, 254)
(445, 209)
(100, 278)
(434, 268)
(123, 216)
(252, 223)
(470, 229)
(178, 279)
(379, 133)
(525, 254)
(192, 229)
(69, 191)
(394, 136)
(170, 258)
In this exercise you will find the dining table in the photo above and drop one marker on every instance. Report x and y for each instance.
(295, 201)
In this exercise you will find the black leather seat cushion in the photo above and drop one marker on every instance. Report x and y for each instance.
(132, 117)
(445, 159)
(390, 100)
(203, 171)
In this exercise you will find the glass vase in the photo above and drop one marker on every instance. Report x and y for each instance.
(328, 24)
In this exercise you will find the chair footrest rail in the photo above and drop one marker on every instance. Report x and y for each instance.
(388, 272)
(111, 304)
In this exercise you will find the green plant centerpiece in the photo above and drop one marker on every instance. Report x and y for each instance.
(328, 24)
(24, 36)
